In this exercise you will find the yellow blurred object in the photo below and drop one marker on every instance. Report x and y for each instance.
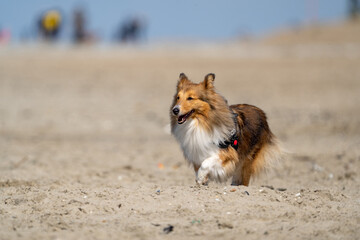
(51, 20)
(160, 166)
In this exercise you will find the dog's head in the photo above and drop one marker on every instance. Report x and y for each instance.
(192, 100)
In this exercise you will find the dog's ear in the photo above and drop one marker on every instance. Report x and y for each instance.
(208, 82)
(183, 79)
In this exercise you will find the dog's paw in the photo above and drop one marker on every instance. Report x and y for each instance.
(202, 182)
(202, 178)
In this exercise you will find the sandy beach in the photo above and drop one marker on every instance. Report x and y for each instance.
(85, 149)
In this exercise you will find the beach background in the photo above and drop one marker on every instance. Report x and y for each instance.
(86, 153)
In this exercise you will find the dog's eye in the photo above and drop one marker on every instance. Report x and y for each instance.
(178, 98)
(189, 98)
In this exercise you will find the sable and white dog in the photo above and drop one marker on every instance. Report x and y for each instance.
(219, 140)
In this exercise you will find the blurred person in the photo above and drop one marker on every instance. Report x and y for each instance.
(80, 34)
(354, 9)
(49, 25)
(131, 31)
(79, 23)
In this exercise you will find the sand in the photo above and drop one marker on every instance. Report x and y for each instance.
(85, 151)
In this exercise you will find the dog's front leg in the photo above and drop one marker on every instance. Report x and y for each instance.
(210, 167)
(202, 177)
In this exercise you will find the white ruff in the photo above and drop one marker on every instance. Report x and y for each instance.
(199, 145)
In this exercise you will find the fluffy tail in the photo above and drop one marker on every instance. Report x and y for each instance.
(268, 158)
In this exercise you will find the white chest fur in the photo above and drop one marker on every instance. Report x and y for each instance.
(196, 143)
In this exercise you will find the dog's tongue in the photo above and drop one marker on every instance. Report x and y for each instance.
(181, 119)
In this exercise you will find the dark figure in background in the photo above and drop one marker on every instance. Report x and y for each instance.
(80, 32)
(49, 25)
(131, 31)
(354, 9)
(79, 26)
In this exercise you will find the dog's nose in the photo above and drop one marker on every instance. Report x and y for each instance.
(176, 110)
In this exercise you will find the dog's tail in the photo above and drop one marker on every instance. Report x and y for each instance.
(268, 157)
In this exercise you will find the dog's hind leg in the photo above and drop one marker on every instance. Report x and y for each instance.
(246, 172)
(237, 179)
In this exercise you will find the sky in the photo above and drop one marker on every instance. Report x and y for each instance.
(176, 20)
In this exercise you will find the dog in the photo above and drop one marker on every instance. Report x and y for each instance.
(218, 140)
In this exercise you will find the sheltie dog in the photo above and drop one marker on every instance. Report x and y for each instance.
(219, 140)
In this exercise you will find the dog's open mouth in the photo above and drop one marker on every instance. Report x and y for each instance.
(185, 116)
